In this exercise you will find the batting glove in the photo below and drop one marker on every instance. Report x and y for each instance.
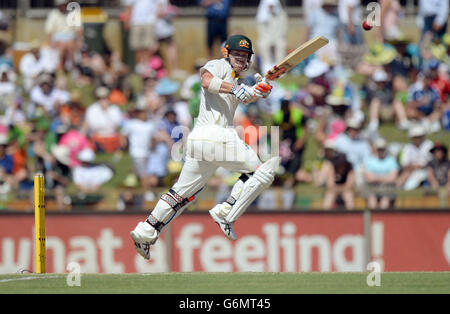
(243, 92)
(264, 89)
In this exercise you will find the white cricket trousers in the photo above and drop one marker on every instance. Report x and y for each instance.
(208, 148)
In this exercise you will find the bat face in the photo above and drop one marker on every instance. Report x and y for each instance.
(295, 57)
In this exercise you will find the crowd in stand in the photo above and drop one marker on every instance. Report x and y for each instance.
(353, 91)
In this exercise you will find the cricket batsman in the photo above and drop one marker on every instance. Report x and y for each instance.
(214, 143)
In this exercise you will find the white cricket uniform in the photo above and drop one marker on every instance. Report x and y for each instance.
(214, 142)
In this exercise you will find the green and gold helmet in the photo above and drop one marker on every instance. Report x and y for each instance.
(239, 42)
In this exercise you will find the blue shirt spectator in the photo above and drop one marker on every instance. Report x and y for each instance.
(381, 166)
(6, 162)
(217, 9)
(425, 96)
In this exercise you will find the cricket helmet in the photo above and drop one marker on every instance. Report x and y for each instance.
(239, 42)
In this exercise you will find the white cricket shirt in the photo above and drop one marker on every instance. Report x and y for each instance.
(217, 109)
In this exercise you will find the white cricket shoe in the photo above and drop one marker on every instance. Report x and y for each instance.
(143, 236)
(225, 226)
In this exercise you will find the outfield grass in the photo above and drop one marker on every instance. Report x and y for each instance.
(229, 283)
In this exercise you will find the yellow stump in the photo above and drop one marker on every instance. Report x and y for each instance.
(39, 222)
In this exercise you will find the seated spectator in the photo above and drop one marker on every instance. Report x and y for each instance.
(440, 79)
(424, 104)
(149, 99)
(160, 153)
(128, 198)
(140, 133)
(7, 181)
(34, 63)
(58, 175)
(438, 169)
(46, 96)
(337, 175)
(381, 173)
(20, 169)
(15, 115)
(356, 149)
(380, 96)
(293, 133)
(103, 121)
(332, 121)
(319, 85)
(76, 141)
(404, 63)
(89, 177)
(414, 158)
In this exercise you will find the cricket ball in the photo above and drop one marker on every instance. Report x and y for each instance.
(366, 26)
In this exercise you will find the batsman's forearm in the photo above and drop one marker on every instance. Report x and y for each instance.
(215, 85)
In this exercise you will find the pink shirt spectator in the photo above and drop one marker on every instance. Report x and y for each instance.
(76, 142)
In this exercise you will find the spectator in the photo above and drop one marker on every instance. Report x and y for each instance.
(350, 18)
(337, 175)
(58, 175)
(380, 97)
(324, 21)
(440, 79)
(160, 154)
(143, 15)
(404, 64)
(46, 96)
(149, 99)
(140, 133)
(89, 177)
(32, 64)
(433, 15)
(414, 158)
(62, 35)
(191, 89)
(165, 33)
(293, 133)
(356, 149)
(103, 121)
(381, 173)
(424, 103)
(76, 141)
(391, 13)
(272, 22)
(319, 85)
(332, 121)
(8, 87)
(7, 181)
(217, 15)
(438, 169)
(15, 114)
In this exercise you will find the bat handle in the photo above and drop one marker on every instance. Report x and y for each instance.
(259, 78)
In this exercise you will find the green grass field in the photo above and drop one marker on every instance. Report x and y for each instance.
(229, 283)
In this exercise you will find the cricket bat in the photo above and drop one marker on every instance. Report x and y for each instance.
(295, 57)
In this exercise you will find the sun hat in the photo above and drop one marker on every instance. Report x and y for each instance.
(86, 155)
(316, 68)
(61, 153)
(416, 131)
(380, 54)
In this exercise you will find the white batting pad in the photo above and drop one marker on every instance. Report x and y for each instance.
(253, 187)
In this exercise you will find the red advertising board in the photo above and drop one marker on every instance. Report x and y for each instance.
(275, 242)
(271, 242)
(411, 241)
